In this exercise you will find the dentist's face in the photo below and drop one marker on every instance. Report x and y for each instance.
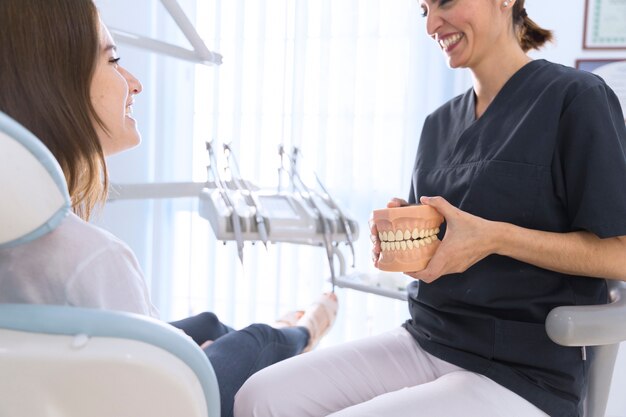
(112, 95)
(467, 31)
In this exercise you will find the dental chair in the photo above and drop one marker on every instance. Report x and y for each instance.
(75, 362)
(600, 328)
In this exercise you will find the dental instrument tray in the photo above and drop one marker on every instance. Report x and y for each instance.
(238, 210)
(287, 217)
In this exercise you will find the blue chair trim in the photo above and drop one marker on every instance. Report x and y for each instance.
(47, 227)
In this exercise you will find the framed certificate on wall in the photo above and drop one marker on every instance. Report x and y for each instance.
(605, 24)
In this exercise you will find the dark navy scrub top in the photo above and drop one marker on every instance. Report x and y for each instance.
(547, 154)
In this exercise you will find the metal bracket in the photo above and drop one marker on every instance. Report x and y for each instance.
(200, 54)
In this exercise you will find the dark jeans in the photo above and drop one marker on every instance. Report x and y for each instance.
(237, 354)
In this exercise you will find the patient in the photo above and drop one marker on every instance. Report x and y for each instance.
(64, 83)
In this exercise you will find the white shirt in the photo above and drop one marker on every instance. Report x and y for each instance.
(76, 264)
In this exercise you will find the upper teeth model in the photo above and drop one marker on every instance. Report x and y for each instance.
(408, 237)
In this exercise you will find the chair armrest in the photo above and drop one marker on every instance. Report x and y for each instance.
(592, 325)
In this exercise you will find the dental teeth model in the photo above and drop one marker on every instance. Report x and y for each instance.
(408, 237)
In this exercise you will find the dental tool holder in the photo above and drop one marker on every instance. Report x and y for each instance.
(239, 211)
(289, 218)
(300, 216)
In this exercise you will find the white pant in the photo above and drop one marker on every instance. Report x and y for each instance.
(387, 375)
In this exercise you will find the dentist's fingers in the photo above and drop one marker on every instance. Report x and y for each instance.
(468, 240)
(440, 204)
(433, 271)
(397, 202)
(394, 202)
(375, 242)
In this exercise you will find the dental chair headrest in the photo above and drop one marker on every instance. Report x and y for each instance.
(33, 192)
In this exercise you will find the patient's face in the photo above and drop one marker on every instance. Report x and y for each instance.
(408, 237)
(112, 94)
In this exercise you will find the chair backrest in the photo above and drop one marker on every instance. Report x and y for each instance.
(599, 327)
(75, 362)
(33, 192)
(68, 361)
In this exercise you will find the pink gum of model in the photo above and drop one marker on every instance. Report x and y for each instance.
(408, 237)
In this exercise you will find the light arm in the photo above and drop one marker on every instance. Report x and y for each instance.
(199, 53)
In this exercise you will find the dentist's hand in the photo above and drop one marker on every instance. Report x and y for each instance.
(394, 202)
(468, 239)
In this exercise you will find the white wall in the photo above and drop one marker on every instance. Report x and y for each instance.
(566, 19)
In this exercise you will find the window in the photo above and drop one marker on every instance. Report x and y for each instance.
(348, 82)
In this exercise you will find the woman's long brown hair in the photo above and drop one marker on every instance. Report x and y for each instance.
(48, 52)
